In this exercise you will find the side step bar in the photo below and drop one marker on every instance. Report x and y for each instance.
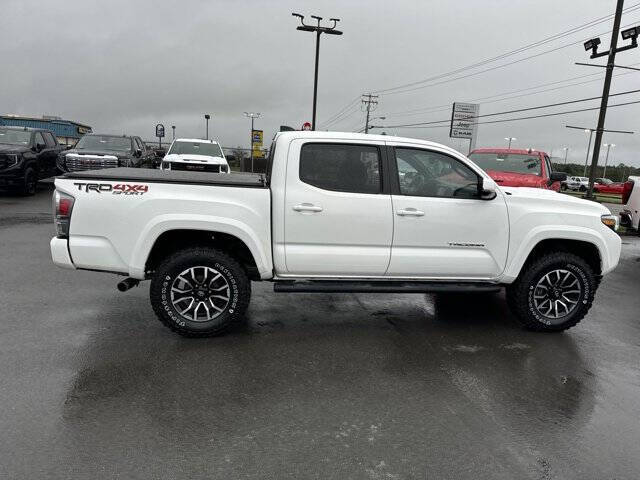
(324, 286)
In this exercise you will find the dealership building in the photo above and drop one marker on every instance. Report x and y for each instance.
(66, 131)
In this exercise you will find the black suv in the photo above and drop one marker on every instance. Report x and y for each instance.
(26, 156)
(95, 151)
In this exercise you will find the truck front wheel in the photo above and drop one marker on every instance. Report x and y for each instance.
(553, 293)
(199, 292)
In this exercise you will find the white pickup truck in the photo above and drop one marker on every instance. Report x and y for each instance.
(335, 212)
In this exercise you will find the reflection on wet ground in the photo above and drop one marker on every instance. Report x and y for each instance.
(309, 386)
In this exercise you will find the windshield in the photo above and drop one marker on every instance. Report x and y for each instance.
(196, 148)
(508, 162)
(14, 137)
(104, 142)
(604, 181)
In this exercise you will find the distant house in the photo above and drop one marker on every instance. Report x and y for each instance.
(67, 131)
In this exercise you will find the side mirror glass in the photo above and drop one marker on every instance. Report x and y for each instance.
(487, 189)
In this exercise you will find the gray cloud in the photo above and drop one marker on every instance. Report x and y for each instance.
(124, 66)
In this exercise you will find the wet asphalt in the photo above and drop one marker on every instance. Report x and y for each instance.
(309, 386)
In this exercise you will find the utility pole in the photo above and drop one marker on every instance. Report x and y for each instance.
(592, 45)
(510, 140)
(173, 127)
(368, 100)
(566, 151)
(606, 159)
(252, 116)
(318, 30)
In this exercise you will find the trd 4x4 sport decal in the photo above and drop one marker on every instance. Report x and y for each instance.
(117, 189)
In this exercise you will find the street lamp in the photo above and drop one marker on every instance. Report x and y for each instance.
(252, 116)
(566, 151)
(319, 30)
(586, 160)
(510, 139)
(173, 127)
(207, 117)
(606, 158)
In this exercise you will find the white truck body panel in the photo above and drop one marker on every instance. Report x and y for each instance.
(352, 236)
(116, 232)
(632, 207)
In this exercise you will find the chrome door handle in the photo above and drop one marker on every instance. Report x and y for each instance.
(410, 212)
(307, 207)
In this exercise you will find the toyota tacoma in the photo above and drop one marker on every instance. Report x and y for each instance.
(335, 212)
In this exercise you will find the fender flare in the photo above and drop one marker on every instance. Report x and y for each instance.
(165, 223)
(553, 232)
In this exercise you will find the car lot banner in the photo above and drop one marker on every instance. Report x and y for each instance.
(256, 143)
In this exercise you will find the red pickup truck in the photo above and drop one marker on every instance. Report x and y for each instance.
(604, 185)
(518, 168)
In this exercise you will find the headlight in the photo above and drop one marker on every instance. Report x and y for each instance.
(611, 221)
(12, 160)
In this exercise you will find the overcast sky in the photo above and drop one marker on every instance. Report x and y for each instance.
(123, 66)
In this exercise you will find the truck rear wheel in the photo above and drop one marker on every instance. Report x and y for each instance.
(199, 292)
(553, 293)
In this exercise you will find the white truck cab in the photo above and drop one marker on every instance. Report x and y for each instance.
(335, 212)
(192, 154)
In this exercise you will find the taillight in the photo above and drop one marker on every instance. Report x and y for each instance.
(626, 191)
(62, 208)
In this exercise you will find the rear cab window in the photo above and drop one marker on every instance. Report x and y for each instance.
(341, 167)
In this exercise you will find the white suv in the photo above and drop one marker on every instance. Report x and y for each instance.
(195, 155)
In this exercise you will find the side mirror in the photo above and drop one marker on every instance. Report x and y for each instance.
(487, 189)
(138, 152)
(40, 147)
(557, 177)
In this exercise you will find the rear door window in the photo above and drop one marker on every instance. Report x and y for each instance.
(341, 167)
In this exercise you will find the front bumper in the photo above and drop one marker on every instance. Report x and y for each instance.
(12, 177)
(60, 253)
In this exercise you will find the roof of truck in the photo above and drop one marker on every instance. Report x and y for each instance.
(359, 136)
(198, 140)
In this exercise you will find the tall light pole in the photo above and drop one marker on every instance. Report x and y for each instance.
(319, 30)
(629, 34)
(606, 159)
(566, 151)
(252, 116)
(173, 127)
(510, 139)
(590, 130)
(207, 117)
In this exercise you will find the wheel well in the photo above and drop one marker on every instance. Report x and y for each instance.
(176, 240)
(585, 250)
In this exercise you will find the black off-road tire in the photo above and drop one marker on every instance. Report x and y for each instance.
(167, 272)
(30, 183)
(520, 293)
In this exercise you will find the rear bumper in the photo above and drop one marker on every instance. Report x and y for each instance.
(60, 253)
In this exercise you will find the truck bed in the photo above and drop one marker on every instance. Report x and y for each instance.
(246, 180)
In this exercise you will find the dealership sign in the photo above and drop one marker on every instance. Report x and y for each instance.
(160, 130)
(464, 123)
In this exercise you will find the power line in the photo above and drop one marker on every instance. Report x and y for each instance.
(447, 106)
(448, 120)
(532, 116)
(391, 90)
(594, 22)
